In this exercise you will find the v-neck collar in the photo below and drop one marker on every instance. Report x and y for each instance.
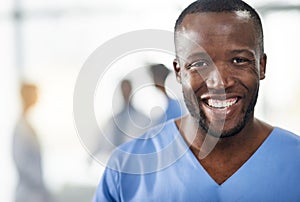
(235, 175)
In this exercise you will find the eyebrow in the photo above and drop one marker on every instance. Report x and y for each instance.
(243, 51)
(206, 55)
(198, 54)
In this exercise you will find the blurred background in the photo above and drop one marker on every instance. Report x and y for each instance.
(46, 43)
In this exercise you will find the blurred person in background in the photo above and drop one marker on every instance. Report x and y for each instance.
(27, 153)
(159, 74)
(126, 125)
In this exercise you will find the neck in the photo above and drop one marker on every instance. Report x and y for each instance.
(253, 134)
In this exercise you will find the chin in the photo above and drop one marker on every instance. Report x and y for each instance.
(224, 133)
(222, 129)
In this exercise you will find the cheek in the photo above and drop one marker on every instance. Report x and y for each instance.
(187, 90)
(192, 81)
(249, 77)
(251, 85)
(253, 70)
(189, 95)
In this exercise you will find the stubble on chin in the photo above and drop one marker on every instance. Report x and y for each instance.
(216, 129)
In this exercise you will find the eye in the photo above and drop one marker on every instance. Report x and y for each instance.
(240, 61)
(198, 64)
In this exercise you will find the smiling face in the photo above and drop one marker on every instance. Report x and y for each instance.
(219, 64)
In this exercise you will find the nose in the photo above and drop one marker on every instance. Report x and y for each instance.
(220, 78)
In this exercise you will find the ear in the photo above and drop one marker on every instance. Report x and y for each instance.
(262, 68)
(177, 70)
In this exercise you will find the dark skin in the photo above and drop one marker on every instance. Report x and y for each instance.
(226, 66)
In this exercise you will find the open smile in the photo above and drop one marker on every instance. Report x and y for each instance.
(221, 104)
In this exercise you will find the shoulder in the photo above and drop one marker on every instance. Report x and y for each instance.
(280, 161)
(285, 142)
(153, 140)
(148, 153)
(286, 136)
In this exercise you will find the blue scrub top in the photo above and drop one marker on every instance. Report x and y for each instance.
(161, 167)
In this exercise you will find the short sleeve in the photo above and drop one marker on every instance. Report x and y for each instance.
(107, 189)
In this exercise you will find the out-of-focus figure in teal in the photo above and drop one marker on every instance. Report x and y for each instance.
(174, 109)
(123, 126)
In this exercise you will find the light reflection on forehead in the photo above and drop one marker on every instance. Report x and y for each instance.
(243, 14)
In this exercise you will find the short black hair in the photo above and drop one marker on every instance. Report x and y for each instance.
(220, 6)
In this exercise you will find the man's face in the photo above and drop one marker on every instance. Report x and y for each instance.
(219, 64)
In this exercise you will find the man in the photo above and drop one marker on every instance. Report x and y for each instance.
(219, 152)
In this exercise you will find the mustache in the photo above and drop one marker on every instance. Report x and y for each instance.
(222, 93)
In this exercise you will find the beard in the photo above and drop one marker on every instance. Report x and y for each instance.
(193, 104)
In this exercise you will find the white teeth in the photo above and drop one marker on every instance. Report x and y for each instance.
(221, 103)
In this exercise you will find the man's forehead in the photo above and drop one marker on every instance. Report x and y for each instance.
(204, 29)
(213, 19)
(198, 25)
